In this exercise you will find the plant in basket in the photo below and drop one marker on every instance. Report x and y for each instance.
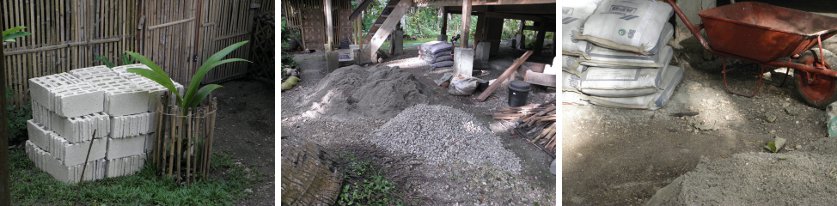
(184, 127)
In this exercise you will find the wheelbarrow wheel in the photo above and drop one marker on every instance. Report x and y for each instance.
(814, 89)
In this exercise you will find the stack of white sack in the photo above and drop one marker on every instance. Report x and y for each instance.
(619, 56)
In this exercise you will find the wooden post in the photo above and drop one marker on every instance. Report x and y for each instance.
(5, 197)
(522, 43)
(443, 35)
(329, 26)
(541, 36)
(466, 22)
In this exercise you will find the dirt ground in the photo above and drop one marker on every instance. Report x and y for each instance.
(622, 157)
(535, 185)
(245, 130)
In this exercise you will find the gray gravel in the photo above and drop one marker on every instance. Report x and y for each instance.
(379, 92)
(440, 134)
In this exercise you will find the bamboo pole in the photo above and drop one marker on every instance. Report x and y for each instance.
(4, 138)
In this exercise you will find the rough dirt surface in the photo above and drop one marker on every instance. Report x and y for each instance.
(245, 131)
(622, 157)
(793, 178)
(418, 182)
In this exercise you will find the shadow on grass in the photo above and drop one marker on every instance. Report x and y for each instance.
(226, 184)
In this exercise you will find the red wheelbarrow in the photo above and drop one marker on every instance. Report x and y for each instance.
(772, 37)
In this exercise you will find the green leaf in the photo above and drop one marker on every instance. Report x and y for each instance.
(9, 35)
(202, 93)
(209, 64)
(156, 74)
(126, 59)
(104, 60)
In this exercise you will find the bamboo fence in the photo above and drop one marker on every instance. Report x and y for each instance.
(70, 34)
(182, 147)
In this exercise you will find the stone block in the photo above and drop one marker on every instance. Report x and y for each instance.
(71, 154)
(132, 125)
(125, 166)
(95, 170)
(463, 61)
(481, 54)
(123, 147)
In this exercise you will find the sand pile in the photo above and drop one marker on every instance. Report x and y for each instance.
(793, 178)
(441, 134)
(376, 92)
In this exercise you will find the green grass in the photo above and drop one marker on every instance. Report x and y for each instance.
(31, 186)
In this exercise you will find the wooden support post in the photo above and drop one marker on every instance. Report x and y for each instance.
(522, 41)
(329, 25)
(5, 194)
(443, 35)
(506, 74)
(541, 36)
(466, 22)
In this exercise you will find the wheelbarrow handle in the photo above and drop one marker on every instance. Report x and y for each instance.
(692, 28)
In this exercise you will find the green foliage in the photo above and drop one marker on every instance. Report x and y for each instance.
(17, 120)
(126, 60)
(366, 186)
(31, 186)
(193, 96)
(9, 35)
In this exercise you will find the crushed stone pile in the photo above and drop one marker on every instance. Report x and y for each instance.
(377, 92)
(793, 178)
(441, 134)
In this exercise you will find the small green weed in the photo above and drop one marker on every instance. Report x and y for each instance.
(366, 186)
(31, 186)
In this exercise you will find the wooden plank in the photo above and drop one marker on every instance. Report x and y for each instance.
(466, 22)
(387, 27)
(533, 77)
(329, 27)
(506, 74)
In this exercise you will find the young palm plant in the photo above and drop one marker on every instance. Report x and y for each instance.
(193, 96)
(9, 35)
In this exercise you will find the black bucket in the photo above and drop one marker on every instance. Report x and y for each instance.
(518, 93)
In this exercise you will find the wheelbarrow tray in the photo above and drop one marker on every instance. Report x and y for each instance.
(763, 32)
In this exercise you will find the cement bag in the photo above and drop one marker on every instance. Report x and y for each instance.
(572, 65)
(442, 64)
(574, 13)
(627, 25)
(619, 78)
(442, 58)
(574, 83)
(651, 102)
(604, 57)
(570, 82)
(437, 48)
(463, 86)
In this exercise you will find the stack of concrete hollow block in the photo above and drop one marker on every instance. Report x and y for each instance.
(68, 107)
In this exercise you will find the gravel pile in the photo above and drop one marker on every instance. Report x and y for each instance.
(441, 134)
(794, 178)
(378, 92)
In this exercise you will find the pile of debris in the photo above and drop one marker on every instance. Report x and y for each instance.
(437, 53)
(535, 122)
(442, 135)
(627, 68)
(352, 91)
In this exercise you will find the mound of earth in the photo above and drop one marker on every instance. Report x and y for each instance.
(441, 134)
(377, 92)
(793, 178)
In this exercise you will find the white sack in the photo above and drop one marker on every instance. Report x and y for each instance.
(627, 25)
(574, 15)
(604, 57)
(651, 102)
